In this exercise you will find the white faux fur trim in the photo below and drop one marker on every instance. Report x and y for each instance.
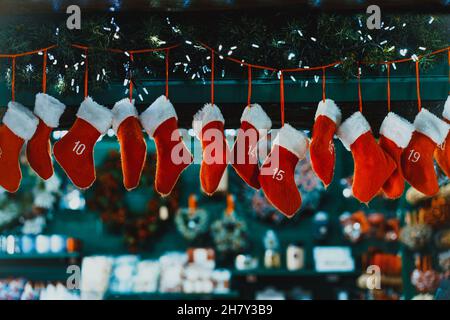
(397, 129)
(446, 113)
(352, 128)
(48, 109)
(431, 126)
(20, 120)
(293, 140)
(330, 110)
(158, 112)
(209, 113)
(122, 110)
(96, 115)
(257, 117)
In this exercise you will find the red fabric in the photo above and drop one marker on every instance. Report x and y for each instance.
(10, 146)
(442, 155)
(278, 183)
(38, 151)
(133, 151)
(215, 156)
(418, 166)
(323, 156)
(169, 167)
(75, 153)
(245, 154)
(373, 167)
(393, 188)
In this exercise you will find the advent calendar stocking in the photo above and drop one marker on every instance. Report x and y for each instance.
(75, 151)
(395, 134)
(442, 153)
(417, 158)
(323, 157)
(160, 122)
(48, 110)
(254, 125)
(372, 166)
(19, 125)
(277, 172)
(133, 149)
(208, 126)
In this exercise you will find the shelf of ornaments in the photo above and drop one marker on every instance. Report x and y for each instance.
(281, 272)
(40, 256)
(232, 294)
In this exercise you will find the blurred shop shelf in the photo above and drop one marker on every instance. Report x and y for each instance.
(171, 296)
(286, 273)
(38, 256)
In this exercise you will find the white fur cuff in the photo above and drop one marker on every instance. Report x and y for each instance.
(122, 110)
(397, 129)
(431, 126)
(48, 109)
(96, 115)
(20, 120)
(446, 113)
(330, 110)
(207, 114)
(293, 140)
(352, 128)
(257, 117)
(158, 112)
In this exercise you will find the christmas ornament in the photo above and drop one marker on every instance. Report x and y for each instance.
(254, 125)
(137, 214)
(442, 153)
(323, 157)
(417, 158)
(133, 149)
(75, 151)
(160, 122)
(49, 111)
(19, 125)
(372, 165)
(208, 125)
(229, 233)
(395, 134)
(415, 234)
(192, 222)
(277, 172)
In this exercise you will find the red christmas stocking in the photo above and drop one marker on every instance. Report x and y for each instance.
(133, 148)
(417, 158)
(19, 125)
(254, 124)
(75, 151)
(372, 166)
(48, 110)
(160, 122)
(323, 157)
(442, 153)
(395, 134)
(277, 172)
(208, 126)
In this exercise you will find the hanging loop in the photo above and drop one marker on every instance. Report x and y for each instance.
(359, 89)
(388, 70)
(212, 77)
(44, 72)
(323, 84)
(86, 73)
(167, 73)
(419, 100)
(249, 99)
(282, 97)
(131, 77)
(13, 79)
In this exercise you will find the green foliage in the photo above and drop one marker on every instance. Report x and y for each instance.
(282, 39)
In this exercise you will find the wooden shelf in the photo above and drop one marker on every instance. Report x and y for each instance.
(38, 256)
(286, 273)
(170, 296)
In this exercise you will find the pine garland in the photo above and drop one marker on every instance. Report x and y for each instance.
(281, 40)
